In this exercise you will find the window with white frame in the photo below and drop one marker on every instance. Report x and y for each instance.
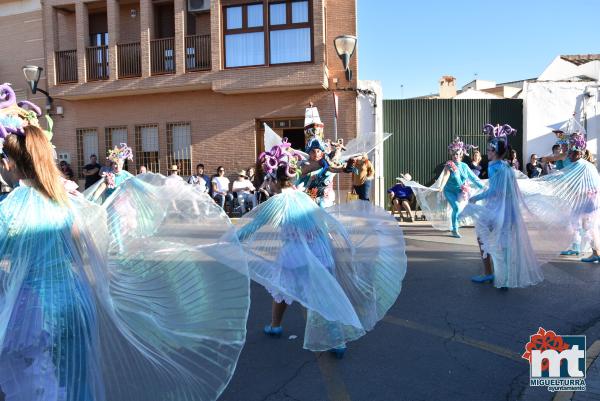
(147, 147)
(290, 39)
(179, 146)
(87, 145)
(277, 32)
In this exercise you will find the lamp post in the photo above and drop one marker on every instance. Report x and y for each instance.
(345, 46)
(32, 76)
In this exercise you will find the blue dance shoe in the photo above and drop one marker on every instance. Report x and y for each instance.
(483, 279)
(591, 259)
(569, 252)
(338, 352)
(455, 234)
(273, 331)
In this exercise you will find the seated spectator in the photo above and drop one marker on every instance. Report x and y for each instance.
(201, 180)
(513, 161)
(401, 196)
(549, 163)
(66, 170)
(534, 167)
(174, 171)
(244, 190)
(267, 189)
(220, 188)
(475, 163)
(142, 170)
(589, 156)
(252, 176)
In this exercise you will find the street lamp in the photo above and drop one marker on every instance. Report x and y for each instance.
(345, 45)
(32, 75)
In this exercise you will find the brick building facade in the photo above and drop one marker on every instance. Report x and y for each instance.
(158, 76)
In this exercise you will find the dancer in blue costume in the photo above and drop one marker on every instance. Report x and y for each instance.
(456, 180)
(577, 187)
(162, 322)
(105, 187)
(113, 179)
(446, 198)
(318, 172)
(511, 233)
(345, 265)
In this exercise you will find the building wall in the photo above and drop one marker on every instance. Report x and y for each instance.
(341, 20)
(370, 122)
(550, 104)
(13, 7)
(66, 35)
(202, 24)
(25, 47)
(223, 126)
(129, 28)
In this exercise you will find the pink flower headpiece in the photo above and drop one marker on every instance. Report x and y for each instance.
(282, 154)
(120, 153)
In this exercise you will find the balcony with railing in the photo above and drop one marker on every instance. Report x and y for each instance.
(162, 56)
(129, 58)
(66, 66)
(97, 63)
(197, 53)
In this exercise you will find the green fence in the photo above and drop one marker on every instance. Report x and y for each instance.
(423, 128)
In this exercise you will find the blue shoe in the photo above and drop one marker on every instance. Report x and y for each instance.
(570, 252)
(591, 259)
(273, 331)
(338, 352)
(483, 279)
(456, 234)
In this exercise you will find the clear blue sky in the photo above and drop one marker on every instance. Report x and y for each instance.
(414, 42)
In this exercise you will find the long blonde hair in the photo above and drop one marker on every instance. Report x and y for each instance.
(33, 156)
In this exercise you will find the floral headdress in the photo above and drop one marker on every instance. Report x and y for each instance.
(14, 117)
(577, 142)
(457, 145)
(498, 133)
(120, 153)
(281, 155)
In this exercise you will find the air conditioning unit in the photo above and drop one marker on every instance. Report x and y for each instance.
(197, 6)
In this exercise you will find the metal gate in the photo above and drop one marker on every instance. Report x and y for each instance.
(423, 128)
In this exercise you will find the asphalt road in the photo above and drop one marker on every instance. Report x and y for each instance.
(444, 339)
